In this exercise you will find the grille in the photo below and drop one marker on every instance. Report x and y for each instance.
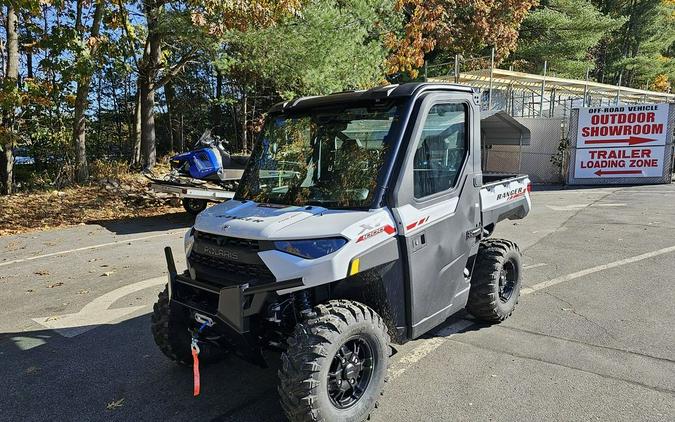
(251, 245)
(224, 272)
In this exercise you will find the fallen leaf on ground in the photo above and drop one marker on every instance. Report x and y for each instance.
(32, 370)
(115, 404)
(92, 203)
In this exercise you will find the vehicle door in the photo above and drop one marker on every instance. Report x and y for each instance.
(437, 206)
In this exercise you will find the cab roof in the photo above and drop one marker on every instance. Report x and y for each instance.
(378, 93)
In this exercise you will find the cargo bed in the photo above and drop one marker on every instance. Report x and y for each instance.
(504, 196)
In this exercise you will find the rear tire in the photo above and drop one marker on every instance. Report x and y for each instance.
(336, 364)
(171, 331)
(496, 281)
(194, 206)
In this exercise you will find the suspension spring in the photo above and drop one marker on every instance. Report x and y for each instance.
(303, 303)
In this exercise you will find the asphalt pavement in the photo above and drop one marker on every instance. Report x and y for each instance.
(591, 339)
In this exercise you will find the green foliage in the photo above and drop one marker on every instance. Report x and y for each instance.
(331, 46)
(641, 50)
(558, 159)
(562, 32)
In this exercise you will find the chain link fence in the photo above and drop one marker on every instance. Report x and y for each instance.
(535, 159)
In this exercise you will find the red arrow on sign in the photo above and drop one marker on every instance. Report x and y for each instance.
(633, 140)
(600, 172)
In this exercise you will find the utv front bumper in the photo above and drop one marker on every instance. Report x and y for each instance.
(231, 306)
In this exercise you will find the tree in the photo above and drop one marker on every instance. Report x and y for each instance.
(148, 71)
(10, 100)
(168, 25)
(438, 29)
(331, 46)
(86, 56)
(563, 33)
(640, 52)
(191, 30)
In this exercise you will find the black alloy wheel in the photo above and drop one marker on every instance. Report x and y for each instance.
(496, 281)
(350, 372)
(508, 278)
(335, 366)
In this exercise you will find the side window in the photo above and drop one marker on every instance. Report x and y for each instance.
(441, 150)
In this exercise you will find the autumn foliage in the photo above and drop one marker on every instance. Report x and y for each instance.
(219, 16)
(455, 27)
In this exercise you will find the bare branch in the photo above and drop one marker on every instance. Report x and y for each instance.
(126, 31)
(176, 69)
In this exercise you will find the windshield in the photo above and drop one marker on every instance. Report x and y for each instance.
(330, 158)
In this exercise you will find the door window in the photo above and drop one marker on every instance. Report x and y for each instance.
(441, 150)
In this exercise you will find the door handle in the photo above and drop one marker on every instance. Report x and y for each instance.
(475, 232)
(419, 241)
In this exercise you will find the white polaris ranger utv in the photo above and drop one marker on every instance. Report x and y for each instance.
(360, 219)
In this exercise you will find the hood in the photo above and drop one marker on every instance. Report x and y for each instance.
(251, 220)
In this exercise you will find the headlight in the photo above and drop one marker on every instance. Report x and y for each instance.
(310, 249)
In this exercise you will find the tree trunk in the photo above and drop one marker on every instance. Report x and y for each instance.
(148, 75)
(170, 94)
(136, 130)
(148, 150)
(29, 54)
(81, 102)
(244, 128)
(8, 118)
(217, 108)
(79, 129)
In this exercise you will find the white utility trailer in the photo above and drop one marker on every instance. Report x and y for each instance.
(194, 198)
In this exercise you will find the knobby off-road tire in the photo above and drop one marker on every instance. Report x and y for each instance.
(496, 281)
(316, 348)
(194, 206)
(171, 331)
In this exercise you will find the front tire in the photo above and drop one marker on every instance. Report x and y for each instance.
(336, 364)
(496, 281)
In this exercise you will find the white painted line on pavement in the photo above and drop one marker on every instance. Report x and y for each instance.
(572, 276)
(576, 207)
(428, 346)
(571, 207)
(96, 312)
(84, 248)
(528, 267)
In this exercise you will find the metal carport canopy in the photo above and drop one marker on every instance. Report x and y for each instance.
(505, 79)
(499, 128)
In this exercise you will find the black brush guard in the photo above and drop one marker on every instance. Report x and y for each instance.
(230, 307)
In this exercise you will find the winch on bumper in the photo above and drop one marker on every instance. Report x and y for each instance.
(231, 307)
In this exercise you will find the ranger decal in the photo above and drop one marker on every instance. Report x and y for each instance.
(512, 194)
